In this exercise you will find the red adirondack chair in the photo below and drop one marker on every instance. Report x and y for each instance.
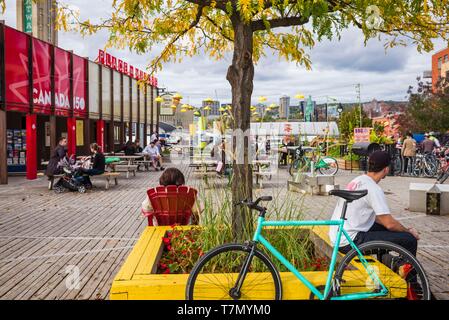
(171, 204)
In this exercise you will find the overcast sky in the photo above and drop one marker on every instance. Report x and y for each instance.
(336, 66)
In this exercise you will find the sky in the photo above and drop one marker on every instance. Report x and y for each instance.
(337, 66)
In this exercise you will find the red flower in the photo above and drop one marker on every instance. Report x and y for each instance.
(163, 266)
(169, 247)
(166, 240)
(166, 271)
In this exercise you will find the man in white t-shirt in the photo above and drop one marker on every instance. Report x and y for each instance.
(151, 152)
(369, 218)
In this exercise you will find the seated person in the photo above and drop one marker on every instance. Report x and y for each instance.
(369, 218)
(129, 148)
(98, 165)
(172, 177)
(151, 152)
(137, 146)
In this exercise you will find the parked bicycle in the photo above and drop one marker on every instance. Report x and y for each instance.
(324, 164)
(443, 172)
(425, 165)
(375, 269)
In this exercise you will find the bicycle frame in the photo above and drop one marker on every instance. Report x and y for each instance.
(258, 238)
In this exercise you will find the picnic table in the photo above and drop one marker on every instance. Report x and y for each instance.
(129, 166)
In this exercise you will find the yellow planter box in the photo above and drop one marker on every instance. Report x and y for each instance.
(137, 280)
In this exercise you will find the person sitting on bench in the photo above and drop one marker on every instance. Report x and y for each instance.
(98, 165)
(151, 152)
(369, 218)
(59, 153)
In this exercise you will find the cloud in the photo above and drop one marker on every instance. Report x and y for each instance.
(336, 66)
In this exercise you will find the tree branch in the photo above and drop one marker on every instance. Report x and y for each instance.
(280, 22)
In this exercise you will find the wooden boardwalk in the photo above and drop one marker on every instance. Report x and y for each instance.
(47, 239)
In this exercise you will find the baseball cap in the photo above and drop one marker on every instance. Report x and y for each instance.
(378, 160)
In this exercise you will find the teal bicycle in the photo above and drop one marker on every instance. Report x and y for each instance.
(376, 269)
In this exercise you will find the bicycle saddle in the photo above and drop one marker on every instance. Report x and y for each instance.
(349, 195)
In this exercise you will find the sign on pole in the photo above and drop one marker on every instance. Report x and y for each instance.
(362, 134)
(28, 15)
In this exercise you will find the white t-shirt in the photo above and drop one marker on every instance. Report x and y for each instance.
(361, 213)
(152, 151)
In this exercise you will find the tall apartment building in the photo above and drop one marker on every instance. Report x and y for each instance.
(214, 105)
(440, 66)
(39, 18)
(284, 107)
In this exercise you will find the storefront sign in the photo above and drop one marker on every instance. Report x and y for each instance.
(112, 62)
(16, 70)
(362, 134)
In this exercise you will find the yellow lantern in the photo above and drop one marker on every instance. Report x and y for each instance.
(222, 109)
(272, 106)
(253, 108)
(177, 96)
(207, 108)
(183, 110)
(299, 96)
(173, 107)
(262, 99)
(209, 100)
(159, 99)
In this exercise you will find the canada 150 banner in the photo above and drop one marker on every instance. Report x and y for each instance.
(62, 82)
(17, 95)
(41, 77)
(79, 87)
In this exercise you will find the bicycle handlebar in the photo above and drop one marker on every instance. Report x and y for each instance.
(255, 205)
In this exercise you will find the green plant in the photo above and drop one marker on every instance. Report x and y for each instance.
(184, 247)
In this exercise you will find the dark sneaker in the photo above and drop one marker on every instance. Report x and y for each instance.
(162, 168)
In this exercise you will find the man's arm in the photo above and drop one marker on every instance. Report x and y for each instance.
(392, 224)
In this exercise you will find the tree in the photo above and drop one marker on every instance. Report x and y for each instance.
(246, 28)
(428, 108)
(350, 119)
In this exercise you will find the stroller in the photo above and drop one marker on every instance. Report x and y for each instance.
(71, 179)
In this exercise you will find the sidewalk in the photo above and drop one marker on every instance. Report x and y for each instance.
(47, 239)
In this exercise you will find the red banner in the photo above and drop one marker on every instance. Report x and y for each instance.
(79, 87)
(31, 153)
(41, 76)
(62, 83)
(16, 70)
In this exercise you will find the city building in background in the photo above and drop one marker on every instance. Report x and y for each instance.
(440, 66)
(38, 18)
(284, 107)
(214, 108)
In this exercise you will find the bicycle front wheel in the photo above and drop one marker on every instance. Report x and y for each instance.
(396, 268)
(215, 275)
(331, 166)
(298, 165)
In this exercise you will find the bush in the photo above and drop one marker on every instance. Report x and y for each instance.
(182, 248)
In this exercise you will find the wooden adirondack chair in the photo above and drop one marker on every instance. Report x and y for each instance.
(171, 204)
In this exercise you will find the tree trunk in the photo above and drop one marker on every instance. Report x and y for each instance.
(240, 75)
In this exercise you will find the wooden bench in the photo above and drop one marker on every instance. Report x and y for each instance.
(126, 168)
(109, 175)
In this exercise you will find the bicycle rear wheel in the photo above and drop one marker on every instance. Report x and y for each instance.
(399, 271)
(215, 275)
(331, 167)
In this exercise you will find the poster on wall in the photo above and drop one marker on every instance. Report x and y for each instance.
(126, 100)
(79, 133)
(47, 134)
(79, 87)
(41, 77)
(16, 70)
(62, 82)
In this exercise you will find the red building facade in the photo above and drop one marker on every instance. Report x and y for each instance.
(47, 92)
(440, 66)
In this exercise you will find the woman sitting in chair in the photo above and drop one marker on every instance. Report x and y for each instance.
(170, 177)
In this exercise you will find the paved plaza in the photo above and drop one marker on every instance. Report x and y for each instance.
(47, 240)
